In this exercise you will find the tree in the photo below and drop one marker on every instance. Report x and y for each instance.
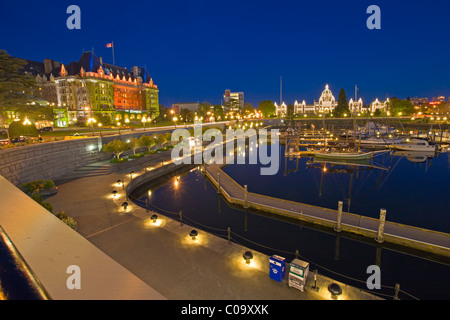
(398, 106)
(248, 108)
(147, 141)
(290, 111)
(117, 146)
(134, 144)
(16, 87)
(161, 139)
(187, 114)
(218, 111)
(267, 108)
(163, 113)
(342, 107)
(17, 129)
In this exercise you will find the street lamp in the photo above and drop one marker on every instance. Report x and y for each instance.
(144, 120)
(175, 119)
(91, 122)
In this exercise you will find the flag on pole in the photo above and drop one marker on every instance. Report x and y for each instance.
(110, 45)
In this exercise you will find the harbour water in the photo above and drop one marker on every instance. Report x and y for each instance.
(412, 189)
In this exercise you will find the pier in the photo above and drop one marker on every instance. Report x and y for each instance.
(379, 230)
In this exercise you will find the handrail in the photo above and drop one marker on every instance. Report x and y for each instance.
(17, 280)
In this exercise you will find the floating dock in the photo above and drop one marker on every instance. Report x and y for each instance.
(408, 236)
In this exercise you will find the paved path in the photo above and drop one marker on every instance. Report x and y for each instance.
(163, 256)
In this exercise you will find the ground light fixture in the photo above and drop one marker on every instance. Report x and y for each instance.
(114, 192)
(154, 217)
(125, 205)
(193, 234)
(118, 182)
(248, 256)
(335, 291)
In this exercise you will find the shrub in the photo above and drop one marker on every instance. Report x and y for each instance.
(38, 198)
(61, 215)
(136, 156)
(120, 160)
(17, 129)
(48, 184)
(70, 222)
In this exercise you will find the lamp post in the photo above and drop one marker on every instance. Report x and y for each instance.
(91, 122)
(144, 120)
(175, 119)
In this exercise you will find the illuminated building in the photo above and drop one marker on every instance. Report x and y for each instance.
(90, 87)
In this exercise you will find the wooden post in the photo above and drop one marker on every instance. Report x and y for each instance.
(146, 204)
(380, 236)
(181, 217)
(397, 290)
(296, 254)
(229, 235)
(246, 196)
(338, 227)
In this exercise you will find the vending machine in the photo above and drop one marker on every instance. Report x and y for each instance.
(298, 274)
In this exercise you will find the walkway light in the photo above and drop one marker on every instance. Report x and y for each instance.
(114, 193)
(154, 217)
(125, 205)
(193, 234)
(118, 182)
(335, 291)
(248, 256)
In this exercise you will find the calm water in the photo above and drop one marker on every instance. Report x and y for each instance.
(413, 193)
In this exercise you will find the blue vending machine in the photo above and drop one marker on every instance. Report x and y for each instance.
(277, 268)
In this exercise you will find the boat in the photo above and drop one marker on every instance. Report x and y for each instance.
(414, 144)
(344, 155)
(380, 141)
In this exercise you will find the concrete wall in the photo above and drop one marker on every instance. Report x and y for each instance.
(54, 159)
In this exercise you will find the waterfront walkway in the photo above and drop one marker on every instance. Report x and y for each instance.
(162, 254)
(412, 237)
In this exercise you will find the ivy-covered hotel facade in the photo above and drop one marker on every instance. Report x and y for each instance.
(89, 88)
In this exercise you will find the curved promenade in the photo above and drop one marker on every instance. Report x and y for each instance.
(400, 234)
(162, 254)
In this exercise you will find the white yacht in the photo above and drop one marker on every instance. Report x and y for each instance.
(414, 144)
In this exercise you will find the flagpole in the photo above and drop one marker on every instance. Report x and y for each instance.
(114, 62)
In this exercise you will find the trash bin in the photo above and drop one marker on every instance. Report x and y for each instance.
(277, 268)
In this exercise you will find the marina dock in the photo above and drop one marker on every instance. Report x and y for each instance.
(430, 241)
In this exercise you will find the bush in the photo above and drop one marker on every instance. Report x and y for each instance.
(136, 156)
(36, 185)
(17, 129)
(48, 184)
(70, 222)
(115, 160)
(38, 198)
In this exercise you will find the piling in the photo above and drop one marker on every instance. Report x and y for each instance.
(380, 236)
(338, 227)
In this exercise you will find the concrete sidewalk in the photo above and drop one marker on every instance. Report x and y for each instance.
(164, 256)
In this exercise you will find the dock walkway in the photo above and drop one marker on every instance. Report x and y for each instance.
(417, 238)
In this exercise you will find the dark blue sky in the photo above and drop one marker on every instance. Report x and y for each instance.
(195, 50)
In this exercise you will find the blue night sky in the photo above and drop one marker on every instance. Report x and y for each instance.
(195, 50)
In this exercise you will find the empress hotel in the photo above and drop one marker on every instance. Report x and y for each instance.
(327, 103)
